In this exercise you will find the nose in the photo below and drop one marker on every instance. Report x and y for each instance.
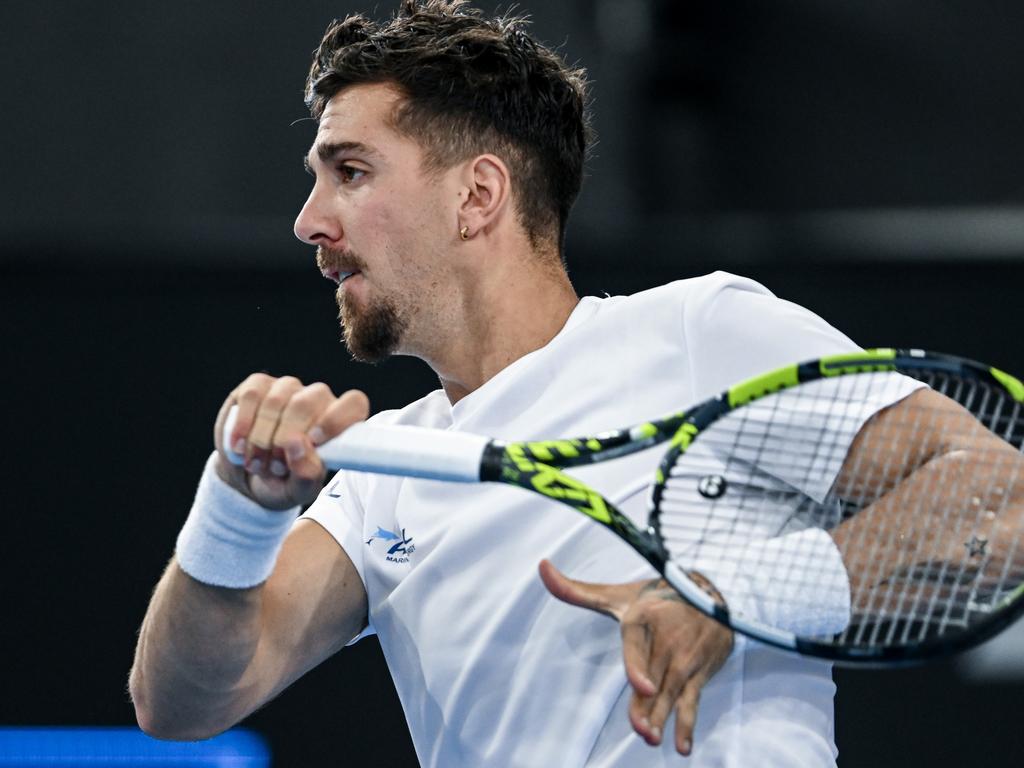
(317, 223)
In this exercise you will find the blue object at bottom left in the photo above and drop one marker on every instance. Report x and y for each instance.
(101, 746)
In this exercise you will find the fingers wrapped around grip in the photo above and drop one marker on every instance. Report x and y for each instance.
(278, 425)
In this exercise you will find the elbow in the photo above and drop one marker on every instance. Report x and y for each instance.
(151, 725)
(172, 729)
(168, 723)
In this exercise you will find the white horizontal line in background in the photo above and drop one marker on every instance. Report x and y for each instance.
(854, 234)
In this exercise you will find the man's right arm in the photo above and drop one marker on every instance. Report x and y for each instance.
(209, 655)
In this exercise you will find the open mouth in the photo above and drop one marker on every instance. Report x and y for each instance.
(339, 275)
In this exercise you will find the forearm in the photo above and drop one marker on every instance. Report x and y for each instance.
(197, 642)
(251, 600)
(919, 535)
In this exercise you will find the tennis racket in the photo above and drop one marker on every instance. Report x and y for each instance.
(838, 508)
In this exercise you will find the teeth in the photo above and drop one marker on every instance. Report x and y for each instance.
(342, 276)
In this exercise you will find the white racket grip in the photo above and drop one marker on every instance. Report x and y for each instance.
(435, 454)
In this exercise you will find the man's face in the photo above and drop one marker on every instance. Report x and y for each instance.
(378, 223)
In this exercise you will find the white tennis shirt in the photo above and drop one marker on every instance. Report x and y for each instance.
(491, 669)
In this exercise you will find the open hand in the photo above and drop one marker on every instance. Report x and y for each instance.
(670, 648)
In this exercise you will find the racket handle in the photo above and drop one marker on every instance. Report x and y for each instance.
(435, 454)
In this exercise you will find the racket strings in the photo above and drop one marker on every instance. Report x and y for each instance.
(922, 572)
(767, 457)
(945, 588)
(742, 502)
(953, 591)
(872, 594)
(870, 591)
(1001, 415)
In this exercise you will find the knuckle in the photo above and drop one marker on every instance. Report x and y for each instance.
(684, 707)
(681, 667)
(300, 406)
(249, 395)
(283, 389)
(686, 717)
(283, 435)
(341, 413)
(273, 404)
(305, 401)
(641, 613)
(280, 394)
(356, 402)
(318, 389)
(259, 379)
(631, 619)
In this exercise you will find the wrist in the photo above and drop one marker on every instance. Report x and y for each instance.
(228, 539)
(705, 584)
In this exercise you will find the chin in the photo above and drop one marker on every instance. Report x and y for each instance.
(373, 333)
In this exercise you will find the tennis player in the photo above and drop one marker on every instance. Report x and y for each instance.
(449, 151)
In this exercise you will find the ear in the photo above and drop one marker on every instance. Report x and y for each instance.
(486, 189)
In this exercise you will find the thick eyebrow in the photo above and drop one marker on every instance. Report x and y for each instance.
(327, 151)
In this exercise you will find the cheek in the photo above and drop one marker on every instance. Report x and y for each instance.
(373, 215)
(410, 224)
(387, 212)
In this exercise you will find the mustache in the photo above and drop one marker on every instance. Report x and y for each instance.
(338, 261)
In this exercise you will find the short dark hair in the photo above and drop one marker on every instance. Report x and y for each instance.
(471, 85)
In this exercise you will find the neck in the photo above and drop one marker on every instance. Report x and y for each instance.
(506, 316)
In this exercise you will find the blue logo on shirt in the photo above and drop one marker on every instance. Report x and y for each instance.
(400, 550)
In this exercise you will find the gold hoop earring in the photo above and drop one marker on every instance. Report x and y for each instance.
(464, 233)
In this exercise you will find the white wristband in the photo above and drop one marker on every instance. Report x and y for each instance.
(229, 540)
(796, 582)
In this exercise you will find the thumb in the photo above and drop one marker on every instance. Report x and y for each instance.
(609, 599)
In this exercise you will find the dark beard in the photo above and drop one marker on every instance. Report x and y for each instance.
(371, 334)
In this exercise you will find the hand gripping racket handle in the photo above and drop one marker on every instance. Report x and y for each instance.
(435, 454)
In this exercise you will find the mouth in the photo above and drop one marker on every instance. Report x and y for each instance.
(339, 276)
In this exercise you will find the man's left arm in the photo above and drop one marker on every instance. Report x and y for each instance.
(919, 469)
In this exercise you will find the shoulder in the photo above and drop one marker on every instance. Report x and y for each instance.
(690, 294)
(697, 292)
(736, 328)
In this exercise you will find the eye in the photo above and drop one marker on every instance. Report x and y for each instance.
(350, 174)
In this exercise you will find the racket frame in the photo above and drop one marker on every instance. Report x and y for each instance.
(535, 465)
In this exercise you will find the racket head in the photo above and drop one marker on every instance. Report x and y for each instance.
(747, 495)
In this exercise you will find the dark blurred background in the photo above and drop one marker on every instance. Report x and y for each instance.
(861, 158)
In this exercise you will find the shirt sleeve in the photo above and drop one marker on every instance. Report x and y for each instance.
(339, 510)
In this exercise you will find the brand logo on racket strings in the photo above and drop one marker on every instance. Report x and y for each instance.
(399, 546)
(711, 486)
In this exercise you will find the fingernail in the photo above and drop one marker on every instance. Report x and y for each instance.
(317, 436)
(255, 466)
(278, 468)
(656, 733)
(294, 450)
(239, 446)
(686, 747)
